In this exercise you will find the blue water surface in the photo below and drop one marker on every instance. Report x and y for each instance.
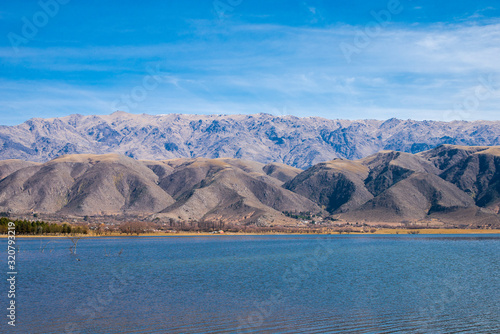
(256, 284)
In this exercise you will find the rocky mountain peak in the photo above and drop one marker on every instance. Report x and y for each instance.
(295, 141)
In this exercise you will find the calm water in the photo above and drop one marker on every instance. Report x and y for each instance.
(265, 284)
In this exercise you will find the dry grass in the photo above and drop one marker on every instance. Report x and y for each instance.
(436, 231)
(382, 231)
(495, 150)
(347, 165)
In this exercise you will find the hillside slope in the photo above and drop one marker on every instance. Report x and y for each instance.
(182, 189)
(450, 185)
(477, 173)
(414, 198)
(456, 185)
(337, 185)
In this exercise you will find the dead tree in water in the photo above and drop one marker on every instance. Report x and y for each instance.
(43, 248)
(72, 249)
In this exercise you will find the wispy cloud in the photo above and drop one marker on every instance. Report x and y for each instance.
(406, 72)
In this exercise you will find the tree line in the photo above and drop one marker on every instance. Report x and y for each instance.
(25, 227)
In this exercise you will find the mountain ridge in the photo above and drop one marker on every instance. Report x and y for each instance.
(295, 141)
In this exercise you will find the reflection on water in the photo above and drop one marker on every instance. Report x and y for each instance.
(262, 284)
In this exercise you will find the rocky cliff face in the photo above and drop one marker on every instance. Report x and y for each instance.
(294, 141)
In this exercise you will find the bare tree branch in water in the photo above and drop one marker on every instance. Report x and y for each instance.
(43, 248)
(72, 249)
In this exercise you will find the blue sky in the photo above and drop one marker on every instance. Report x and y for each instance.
(336, 59)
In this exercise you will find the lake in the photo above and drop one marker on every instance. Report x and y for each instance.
(257, 284)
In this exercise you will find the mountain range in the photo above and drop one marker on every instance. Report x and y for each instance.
(264, 138)
(449, 184)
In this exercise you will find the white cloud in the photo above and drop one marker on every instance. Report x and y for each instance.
(408, 72)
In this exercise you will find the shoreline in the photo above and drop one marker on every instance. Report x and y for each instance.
(205, 234)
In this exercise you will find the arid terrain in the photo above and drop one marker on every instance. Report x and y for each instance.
(449, 186)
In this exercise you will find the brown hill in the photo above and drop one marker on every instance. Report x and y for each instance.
(8, 167)
(452, 184)
(282, 172)
(478, 174)
(336, 185)
(395, 186)
(389, 167)
(227, 189)
(445, 156)
(83, 185)
(414, 198)
(115, 184)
